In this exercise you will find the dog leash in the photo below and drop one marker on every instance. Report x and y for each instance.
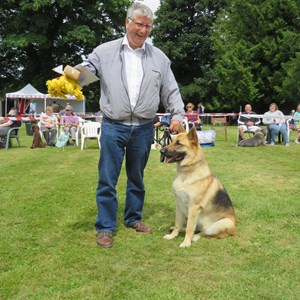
(166, 141)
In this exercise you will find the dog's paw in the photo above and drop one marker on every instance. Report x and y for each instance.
(196, 237)
(169, 236)
(185, 244)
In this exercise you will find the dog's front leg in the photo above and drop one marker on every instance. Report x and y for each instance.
(178, 225)
(191, 226)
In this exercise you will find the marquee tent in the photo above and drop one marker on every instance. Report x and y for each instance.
(30, 93)
(23, 97)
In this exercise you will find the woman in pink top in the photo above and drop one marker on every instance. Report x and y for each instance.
(192, 116)
(69, 122)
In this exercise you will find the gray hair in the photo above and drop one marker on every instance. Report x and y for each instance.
(139, 9)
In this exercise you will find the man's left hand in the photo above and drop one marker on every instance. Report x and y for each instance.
(174, 127)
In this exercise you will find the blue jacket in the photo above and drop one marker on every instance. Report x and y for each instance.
(158, 83)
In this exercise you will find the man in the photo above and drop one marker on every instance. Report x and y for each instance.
(133, 76)
(247, 123)
(69, 122)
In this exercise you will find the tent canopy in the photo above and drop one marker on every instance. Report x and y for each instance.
(31, 93)
(26, 92)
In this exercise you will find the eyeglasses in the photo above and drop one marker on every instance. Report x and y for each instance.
(188, 107)
(67, 110)
(141, 25)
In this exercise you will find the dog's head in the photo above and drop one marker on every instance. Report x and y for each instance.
(262, 132)
(184, 147)
(34, 128)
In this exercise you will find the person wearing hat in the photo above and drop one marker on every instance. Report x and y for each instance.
(69, 122)
(191, 116)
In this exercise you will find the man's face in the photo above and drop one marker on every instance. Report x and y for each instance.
(248, 108)
(137, 32)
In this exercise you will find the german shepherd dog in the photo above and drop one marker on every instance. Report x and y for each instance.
(200, 196)
(257, 140)
(37, 140)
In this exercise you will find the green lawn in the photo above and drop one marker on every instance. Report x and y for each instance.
(48, 244)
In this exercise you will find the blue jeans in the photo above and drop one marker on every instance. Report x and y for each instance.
(274, 130)
(116, 140)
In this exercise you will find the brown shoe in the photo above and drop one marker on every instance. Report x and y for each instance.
(141, 227)
(105, 240)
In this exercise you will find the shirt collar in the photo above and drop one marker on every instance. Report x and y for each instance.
(125, 42)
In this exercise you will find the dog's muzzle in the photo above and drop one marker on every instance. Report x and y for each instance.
(172, 156)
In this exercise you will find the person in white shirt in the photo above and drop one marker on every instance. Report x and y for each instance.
(48, 123)
(276, 122)
(134, 77)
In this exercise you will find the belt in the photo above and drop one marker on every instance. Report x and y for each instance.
(130, 122)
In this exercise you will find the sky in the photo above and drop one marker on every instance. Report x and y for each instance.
(153, 4)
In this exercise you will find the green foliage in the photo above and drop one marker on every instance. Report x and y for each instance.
(253, 41)
(223, 53)
(290, 87)
(48, 243)
(182, 31)
(39, 35)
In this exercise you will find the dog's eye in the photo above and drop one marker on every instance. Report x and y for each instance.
(178, 143)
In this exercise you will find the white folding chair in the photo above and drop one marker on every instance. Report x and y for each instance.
(250, 133)
(41, 132)
(90, 130)
(81, 121)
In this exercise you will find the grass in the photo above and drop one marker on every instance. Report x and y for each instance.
(48, 243)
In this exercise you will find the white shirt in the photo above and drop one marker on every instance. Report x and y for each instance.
(134, 70)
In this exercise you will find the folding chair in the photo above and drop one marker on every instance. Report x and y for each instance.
(250, 133)
(12, 133)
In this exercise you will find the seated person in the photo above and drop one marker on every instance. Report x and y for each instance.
(247, 123)
(200, 110)
(297, 123)
(191, 116)
(69, 122)
(6, 125)
(275, 121)
(48, 122)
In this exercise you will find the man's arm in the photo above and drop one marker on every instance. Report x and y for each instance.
(171, 98)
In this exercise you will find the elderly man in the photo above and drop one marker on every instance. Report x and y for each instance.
(134, 77)
(247, 123)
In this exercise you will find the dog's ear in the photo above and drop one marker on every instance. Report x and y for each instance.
(180, 128)
(192, 135)
(265, 132)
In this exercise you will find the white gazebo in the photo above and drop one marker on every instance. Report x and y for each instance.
(24, 96)
(29, 93)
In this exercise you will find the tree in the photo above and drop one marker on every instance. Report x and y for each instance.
(182, 30)
(255, 42)
(36, 36)
(290, 88)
